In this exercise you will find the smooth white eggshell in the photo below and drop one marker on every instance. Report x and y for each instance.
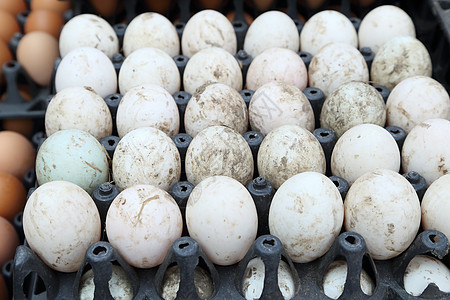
(400, 58)
(364, 148)
(149, 65)
(276, 104)
(151, 29)
(277, 64)
(119, 285)
(426, 149)
(271, 29)
(221, 216)
(336, 64)
(384, 208)
(306, 214)
(88, 30)
(142, 223)
(86, 66)
(60, 222)
(148, 105)
(78, 108)
(215, 104)
(212, 65)
(327, 26)
(287, 151)
(417, 99)
(382, 24)
(436, 206)
(146, 156)
(351, 104)
(219, 150)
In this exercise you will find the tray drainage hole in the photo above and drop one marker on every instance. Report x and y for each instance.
(269, 243)
(306, 55)
(350, 239)
(100, 250)
(184, 188)
(180, 59)
(252, 136)
(312, 91)
(434, 238)
(11, 64)
(336, 183)
(114, 98)
(111, 142)
(179, 25)
(184, 245)
(182, 139)
(237, 24)
(324, 134)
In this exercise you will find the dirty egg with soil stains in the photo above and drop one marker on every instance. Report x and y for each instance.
(436, 205)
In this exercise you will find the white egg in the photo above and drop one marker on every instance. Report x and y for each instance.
(271, 29)
(383, 207)
(151, 29)
(382, 24)
(306, 214)
(146, 156)
(423, 270)
(417, 99)
(276, 104)
(398, 59)
(208, 28)
(215, 104)
(148, 105)
(212, 65)
(287, 151)
(364, 148)
(219, 150)
(277, 64)
(149, 65)
(88, 30)
(78, 108)
(221, 216)
(426, 149)
(351, 104)
(86, 66)
(325, 27)
(60, 222)
(336, 64)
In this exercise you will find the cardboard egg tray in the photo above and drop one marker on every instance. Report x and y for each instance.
(29, 278)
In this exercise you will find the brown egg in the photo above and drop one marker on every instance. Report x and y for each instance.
(261, 5)
(55, 5)
(158, 6)
(17, 155)
(8, 242)
(363, 3)
(311, 4)
(44, 20)
(36, 53)
(212, 4)
(104, 8)
(248, 18)
(8, 26)
(12, 196)
(13, 6)
(5, 56)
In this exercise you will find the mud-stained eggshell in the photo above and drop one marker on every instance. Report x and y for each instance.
(384, 208)
(287, 151)
(276, 104)
(119, 285)
(215, 104)
(219, 150)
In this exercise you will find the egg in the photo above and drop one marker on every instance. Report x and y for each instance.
(221, 216)
(17, 155)
(105, 8)
(9, 25)
(219, 150)
(148, 105)
(149, 65)
(146, 156)
(60, 222)
(215, 104)
(277, 64)
(78, 108)
(336, 64)
(13, 7)
(72, 155)
(383, 207)
(208, 28)
(417, 99)
(54, 5)
(326, 27)
(423, 270)
(276, 104)
(139, 216)
(212, 65)
(364, 148)
(351, 104)
(436, 206)
(151, 30)
(87, 30)
(232, 15)
(44, 20)
(10, 241)
(12, 196)
(287, 151)
(171, 282)
(5, 56)
(87, 66)
(426, 149)
(271, 29)
(382, 24)
(400, 58)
